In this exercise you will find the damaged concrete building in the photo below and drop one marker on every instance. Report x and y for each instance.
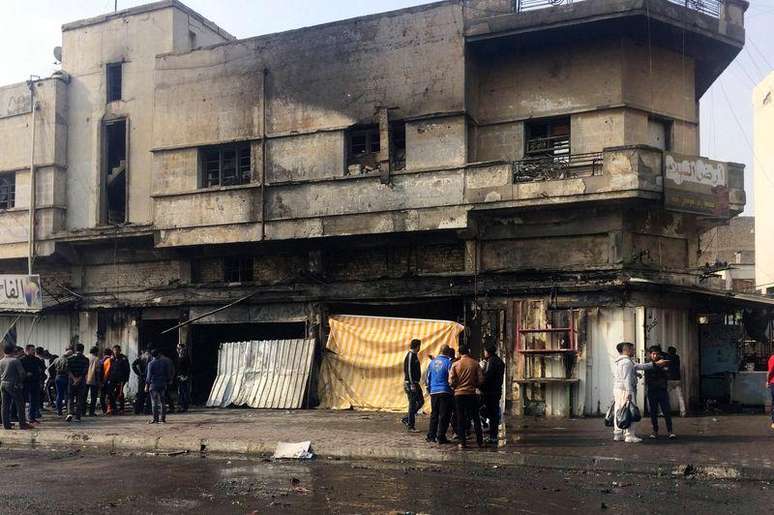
(530, 170)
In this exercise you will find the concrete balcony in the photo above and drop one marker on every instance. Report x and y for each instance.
(442, 199)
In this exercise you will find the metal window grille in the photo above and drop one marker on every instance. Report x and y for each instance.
(237, 269)
(114, 72)
(229, 165)
(709, 7)
(7, 190)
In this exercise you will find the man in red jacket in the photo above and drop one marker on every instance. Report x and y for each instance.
(770, 384)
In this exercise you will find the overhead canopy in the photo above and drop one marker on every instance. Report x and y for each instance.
(363, 364)
(263, 374)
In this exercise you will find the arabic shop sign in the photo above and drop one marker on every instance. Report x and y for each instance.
(20, 293)
(695, 185)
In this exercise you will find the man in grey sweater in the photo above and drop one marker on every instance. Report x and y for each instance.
(625, 387)
(12, 376)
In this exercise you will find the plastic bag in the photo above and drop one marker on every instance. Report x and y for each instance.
(623, 416)
(610, 416)
(634, 412)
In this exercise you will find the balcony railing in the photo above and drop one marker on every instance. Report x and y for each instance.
(547, 168)
(710, 7)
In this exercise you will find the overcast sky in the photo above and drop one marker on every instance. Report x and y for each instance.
(30, 29)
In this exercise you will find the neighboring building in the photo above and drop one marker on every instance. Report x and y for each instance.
(533, 173)
(730, 249)
(763, 119)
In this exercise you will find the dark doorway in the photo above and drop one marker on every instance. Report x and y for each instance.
(150, 336)
(206, 340)
(115, 172)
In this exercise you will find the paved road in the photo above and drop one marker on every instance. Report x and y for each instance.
(77, 482)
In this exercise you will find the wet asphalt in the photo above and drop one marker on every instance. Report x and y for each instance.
(69, 481)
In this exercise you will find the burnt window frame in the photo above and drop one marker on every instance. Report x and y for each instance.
(242, 175)
(114, 89)
(8, 180)
(240, 268)
(372, 143)
(560, 150)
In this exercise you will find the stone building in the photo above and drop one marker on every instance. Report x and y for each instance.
(529, 170)
(731, 250)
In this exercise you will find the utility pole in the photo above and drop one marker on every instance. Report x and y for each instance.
(115, 6)
(31, 239)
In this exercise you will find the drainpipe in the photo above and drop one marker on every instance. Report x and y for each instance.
(31, 239)
(263, 153)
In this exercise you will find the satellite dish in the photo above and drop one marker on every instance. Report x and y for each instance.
(58, 54)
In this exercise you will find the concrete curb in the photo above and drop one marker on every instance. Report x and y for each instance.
(493, 458)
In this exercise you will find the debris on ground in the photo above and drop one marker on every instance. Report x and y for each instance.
(296, 451)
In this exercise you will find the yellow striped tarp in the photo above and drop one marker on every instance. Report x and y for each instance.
(363, 364)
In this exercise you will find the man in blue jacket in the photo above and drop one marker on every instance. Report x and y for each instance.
(441, 397)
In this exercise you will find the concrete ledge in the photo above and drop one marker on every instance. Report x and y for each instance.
(490, 457)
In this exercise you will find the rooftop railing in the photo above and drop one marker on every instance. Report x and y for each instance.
(709, 7)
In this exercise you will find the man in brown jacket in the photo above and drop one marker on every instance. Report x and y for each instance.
(466, 375)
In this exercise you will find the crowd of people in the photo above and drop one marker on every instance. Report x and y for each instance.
(73, 385)
(463, 393)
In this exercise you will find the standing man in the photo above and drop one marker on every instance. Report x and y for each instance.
(466, 376)
(140, 368)
(675, 381)
(34, 370)
(92, 380)
(440, 396)
(168, 390)
(106, 400)
(625, 387)
(183, 377)
(120, 371)
(492, 389)
(656, 380)
(62, 381)
(156, 382)
(411, 377)
(79, 367)
(770, 384)
(11, 386)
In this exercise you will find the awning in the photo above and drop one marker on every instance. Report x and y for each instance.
(363, 363)
(263, 374)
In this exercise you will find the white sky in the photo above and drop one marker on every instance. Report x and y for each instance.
(30, 29)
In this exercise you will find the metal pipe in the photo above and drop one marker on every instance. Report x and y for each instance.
(263, 153)
(31, 238)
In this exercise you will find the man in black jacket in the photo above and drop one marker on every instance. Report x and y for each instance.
(412, 373)
(79, 366)
(656, 383)
(183, 377)
(140, 368)
(35, 370)
(119, 376)
(491, 389)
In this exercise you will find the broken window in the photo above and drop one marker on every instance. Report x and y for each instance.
(7, 190)
(660, 133)
(227, 165)
(114, 183)
(548, 139)
(237, 269)
(114, 72)
(364, 146)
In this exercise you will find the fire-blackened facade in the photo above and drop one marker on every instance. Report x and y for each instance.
(533, 173)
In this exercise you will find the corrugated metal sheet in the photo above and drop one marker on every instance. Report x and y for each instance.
(263, 374)
(51, 331)
(363, 365)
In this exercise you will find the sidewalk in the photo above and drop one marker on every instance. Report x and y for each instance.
(721, 447)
